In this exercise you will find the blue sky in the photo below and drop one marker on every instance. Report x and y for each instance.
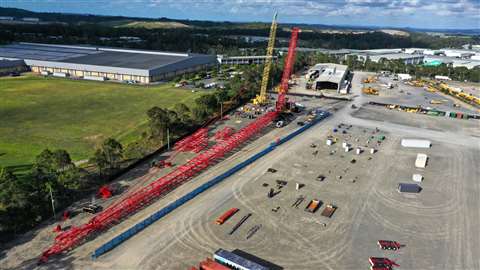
(396, 13)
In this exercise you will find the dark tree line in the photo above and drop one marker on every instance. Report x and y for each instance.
(214, 38)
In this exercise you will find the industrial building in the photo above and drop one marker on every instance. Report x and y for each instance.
(11, 67)
(328, 76)
(96, 63)
(243, 60)
(408, 59)
(455, 62)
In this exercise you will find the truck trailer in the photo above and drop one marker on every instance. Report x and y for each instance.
(329, 210)
(312, 206)
(416, 143)
(408, 188)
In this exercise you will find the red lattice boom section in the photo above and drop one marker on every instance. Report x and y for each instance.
(193, 143)
(224, 133)
(113, 214)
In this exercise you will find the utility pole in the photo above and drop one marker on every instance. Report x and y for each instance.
(52, 200)
(168, 138)
(221, 110)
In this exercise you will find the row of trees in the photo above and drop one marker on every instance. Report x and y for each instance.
(222, 38)
(52, 183)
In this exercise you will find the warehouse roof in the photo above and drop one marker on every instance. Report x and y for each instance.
(330, 72)
(125, 59)
(391, 56)
(101, 58)
(11, 63)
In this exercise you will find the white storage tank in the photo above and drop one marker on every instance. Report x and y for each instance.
(416, 143)
(329, 142)
(344, 144)
(372, 151)
(358, 151)
(347, 149)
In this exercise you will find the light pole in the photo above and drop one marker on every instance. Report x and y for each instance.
(168, 138)
(51, 199)
(221, 110)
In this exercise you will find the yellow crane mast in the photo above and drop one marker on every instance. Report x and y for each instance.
(262, 97)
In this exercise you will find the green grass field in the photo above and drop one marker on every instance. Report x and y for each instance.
(38, 113)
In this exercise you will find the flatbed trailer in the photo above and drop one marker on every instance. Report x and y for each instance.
(329, 210)
(312, 206)
(381, 262)
(388, 244)
(380, 267)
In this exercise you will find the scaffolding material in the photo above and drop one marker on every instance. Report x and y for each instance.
(194, 143)
(224, 133)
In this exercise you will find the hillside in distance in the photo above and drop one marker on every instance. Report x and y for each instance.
(154, 23)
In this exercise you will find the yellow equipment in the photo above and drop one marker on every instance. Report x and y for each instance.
(433, 101)
(370, 79)
(431, 89)
(418, 83)
(412, 110)
(262, 98)
(370, 91)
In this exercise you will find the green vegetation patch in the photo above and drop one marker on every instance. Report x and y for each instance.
(38, 113)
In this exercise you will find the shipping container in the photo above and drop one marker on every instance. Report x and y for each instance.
(453, 115)
(408, 188)
(236, 261)
(416, 143)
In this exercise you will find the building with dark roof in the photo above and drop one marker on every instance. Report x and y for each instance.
(97, 63)
(11, 66)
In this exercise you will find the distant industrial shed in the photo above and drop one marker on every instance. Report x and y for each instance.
(329, 76)
(97, 63)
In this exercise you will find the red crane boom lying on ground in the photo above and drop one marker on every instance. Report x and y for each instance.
(139, 199)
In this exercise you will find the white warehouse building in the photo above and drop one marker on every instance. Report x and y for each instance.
(408, 59)
(329, 76)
